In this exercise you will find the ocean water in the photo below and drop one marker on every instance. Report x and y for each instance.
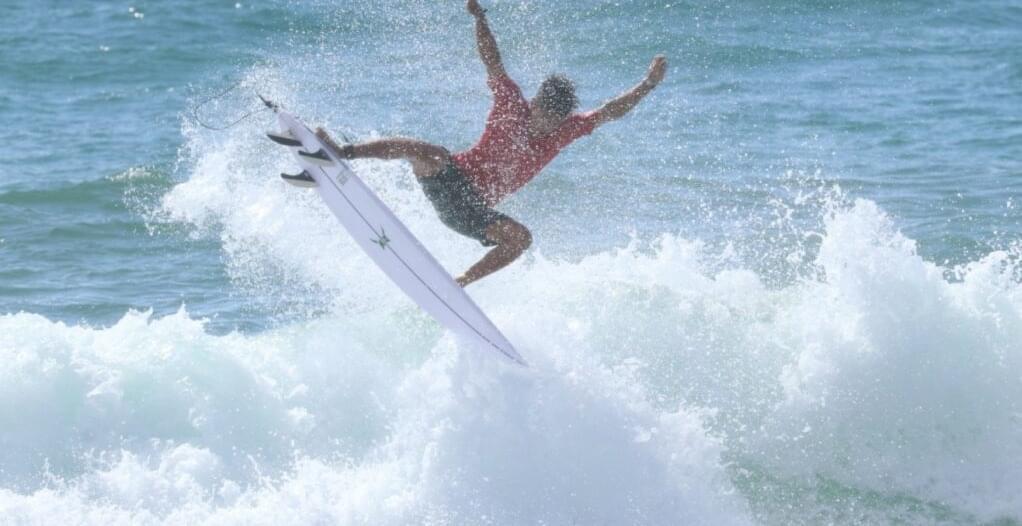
(786, 289)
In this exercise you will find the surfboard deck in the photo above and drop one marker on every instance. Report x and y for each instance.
(386, 240)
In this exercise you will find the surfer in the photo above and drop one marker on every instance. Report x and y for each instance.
(521, 137)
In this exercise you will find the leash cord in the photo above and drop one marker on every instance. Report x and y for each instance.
(195, 110)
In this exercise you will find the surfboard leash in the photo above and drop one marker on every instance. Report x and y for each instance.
(195, 109)
(268, 105)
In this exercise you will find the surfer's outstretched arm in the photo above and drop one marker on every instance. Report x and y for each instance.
(484, 39)
(427, 159)
(622, 104)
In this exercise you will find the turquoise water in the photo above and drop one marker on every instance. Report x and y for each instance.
(784, 290)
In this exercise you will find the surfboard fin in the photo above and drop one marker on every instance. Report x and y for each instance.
(319, 157)
(303, 179)
(284, 138)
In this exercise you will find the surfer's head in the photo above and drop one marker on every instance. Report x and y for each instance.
(554, 101)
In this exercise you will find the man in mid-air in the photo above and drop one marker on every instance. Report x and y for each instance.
(521, 137)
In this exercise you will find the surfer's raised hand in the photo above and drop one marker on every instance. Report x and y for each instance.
(617, 107)
(657, 69)
(488, 51)
(474, 8)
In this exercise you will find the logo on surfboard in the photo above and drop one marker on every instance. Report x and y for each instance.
(382, 239)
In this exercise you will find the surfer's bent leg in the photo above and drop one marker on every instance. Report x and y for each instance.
(462, 209)
(511, 238)
(427, 159)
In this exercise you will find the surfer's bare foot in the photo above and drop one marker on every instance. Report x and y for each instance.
(322, 134)
(462, 280)
(344, 152)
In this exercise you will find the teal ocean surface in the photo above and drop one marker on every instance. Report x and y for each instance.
(786, 289)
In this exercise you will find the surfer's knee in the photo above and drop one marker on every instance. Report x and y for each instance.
(511, 235)
(523, 238)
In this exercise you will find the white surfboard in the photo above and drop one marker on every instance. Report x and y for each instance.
(387, 241)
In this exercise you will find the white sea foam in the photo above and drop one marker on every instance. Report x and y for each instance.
(153, 420)
(903, 381)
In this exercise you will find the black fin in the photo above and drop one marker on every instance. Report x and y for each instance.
(319, 157)
(303, 179)
(283, 138)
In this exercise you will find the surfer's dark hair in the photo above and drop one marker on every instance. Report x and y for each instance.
(557, 95)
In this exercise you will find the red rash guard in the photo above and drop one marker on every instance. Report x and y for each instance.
(505, 158)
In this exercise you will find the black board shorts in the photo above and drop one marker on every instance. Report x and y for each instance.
(459, 205)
